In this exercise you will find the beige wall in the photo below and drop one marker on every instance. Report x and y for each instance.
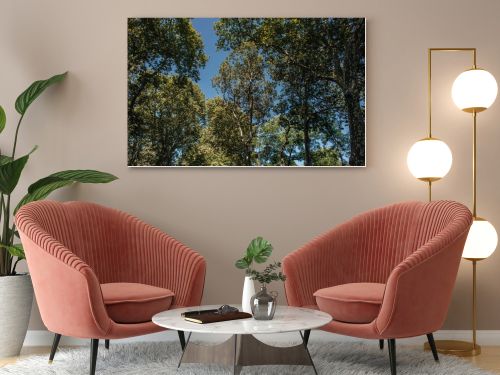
(83, 124)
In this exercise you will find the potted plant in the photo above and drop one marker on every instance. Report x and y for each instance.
(16, 291)
(258, 251)
(263, 304)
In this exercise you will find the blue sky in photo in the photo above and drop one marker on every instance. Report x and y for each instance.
(215, 57)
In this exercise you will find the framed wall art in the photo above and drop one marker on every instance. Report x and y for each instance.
(246, 92)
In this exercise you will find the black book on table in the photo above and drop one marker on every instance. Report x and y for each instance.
(213, 317)
(198, 312)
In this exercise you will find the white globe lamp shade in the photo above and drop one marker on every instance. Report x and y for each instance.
(474, 90)
(481, 241)
(429, 159)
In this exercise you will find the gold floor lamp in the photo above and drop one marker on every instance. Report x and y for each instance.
(430, 159)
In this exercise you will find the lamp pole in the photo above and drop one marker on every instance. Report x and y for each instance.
(474, 164)
(476, 349)
(454, 347)
(474, 215)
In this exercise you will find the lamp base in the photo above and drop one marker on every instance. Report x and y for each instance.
(456, 348)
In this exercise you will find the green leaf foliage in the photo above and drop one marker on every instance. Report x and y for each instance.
(4, 159)
(3, 119)
(222, 141)
(34, 91)
(171, 111)
(41, 193)
(269, 274)
(242, 263)
(43, 187)
(76, 175)
(10, 172)
(15, 250)
(259, 250)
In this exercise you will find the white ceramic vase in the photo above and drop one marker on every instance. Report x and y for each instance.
(16, 298)
(248, 292)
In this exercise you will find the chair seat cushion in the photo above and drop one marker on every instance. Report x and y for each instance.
(351, 303)
(135, 303)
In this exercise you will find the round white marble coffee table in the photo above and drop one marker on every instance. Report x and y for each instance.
(242, 348)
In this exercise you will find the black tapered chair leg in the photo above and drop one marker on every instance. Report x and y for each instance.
(392, 355)
(55, 344)
(381, 344)
(182, 339)
(106, 344)
(432, 344)
(307, 333)
(94, 346)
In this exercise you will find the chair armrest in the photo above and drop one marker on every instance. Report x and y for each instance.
(321, 263)
(67, 290)
(419, 289)
(165, 262)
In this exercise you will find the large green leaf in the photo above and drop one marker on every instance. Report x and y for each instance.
(31, 93)
(10, 172)
(3, 119)
(86, 176)
(259, 250)
(43, 187)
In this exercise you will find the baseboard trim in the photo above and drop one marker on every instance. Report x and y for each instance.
(484, 337)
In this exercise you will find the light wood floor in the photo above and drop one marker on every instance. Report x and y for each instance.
(488, 360)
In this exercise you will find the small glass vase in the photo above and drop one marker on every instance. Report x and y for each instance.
(263, 304)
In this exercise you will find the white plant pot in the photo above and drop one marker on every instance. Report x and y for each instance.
(248, 292)
(16, 298)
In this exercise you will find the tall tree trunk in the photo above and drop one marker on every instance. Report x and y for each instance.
(307, 144)
(355, 117)
(285, 159)
(306, 123)
(306, 127)
(165, 156)
(251, 130)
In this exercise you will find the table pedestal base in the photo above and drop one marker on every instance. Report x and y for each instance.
(246, 350)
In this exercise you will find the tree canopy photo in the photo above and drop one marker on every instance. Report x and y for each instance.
(246, 92)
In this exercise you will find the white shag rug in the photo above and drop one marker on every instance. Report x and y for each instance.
(162, 357)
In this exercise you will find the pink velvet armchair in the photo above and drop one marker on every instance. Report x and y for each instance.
(385, 274)
(99, 273)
